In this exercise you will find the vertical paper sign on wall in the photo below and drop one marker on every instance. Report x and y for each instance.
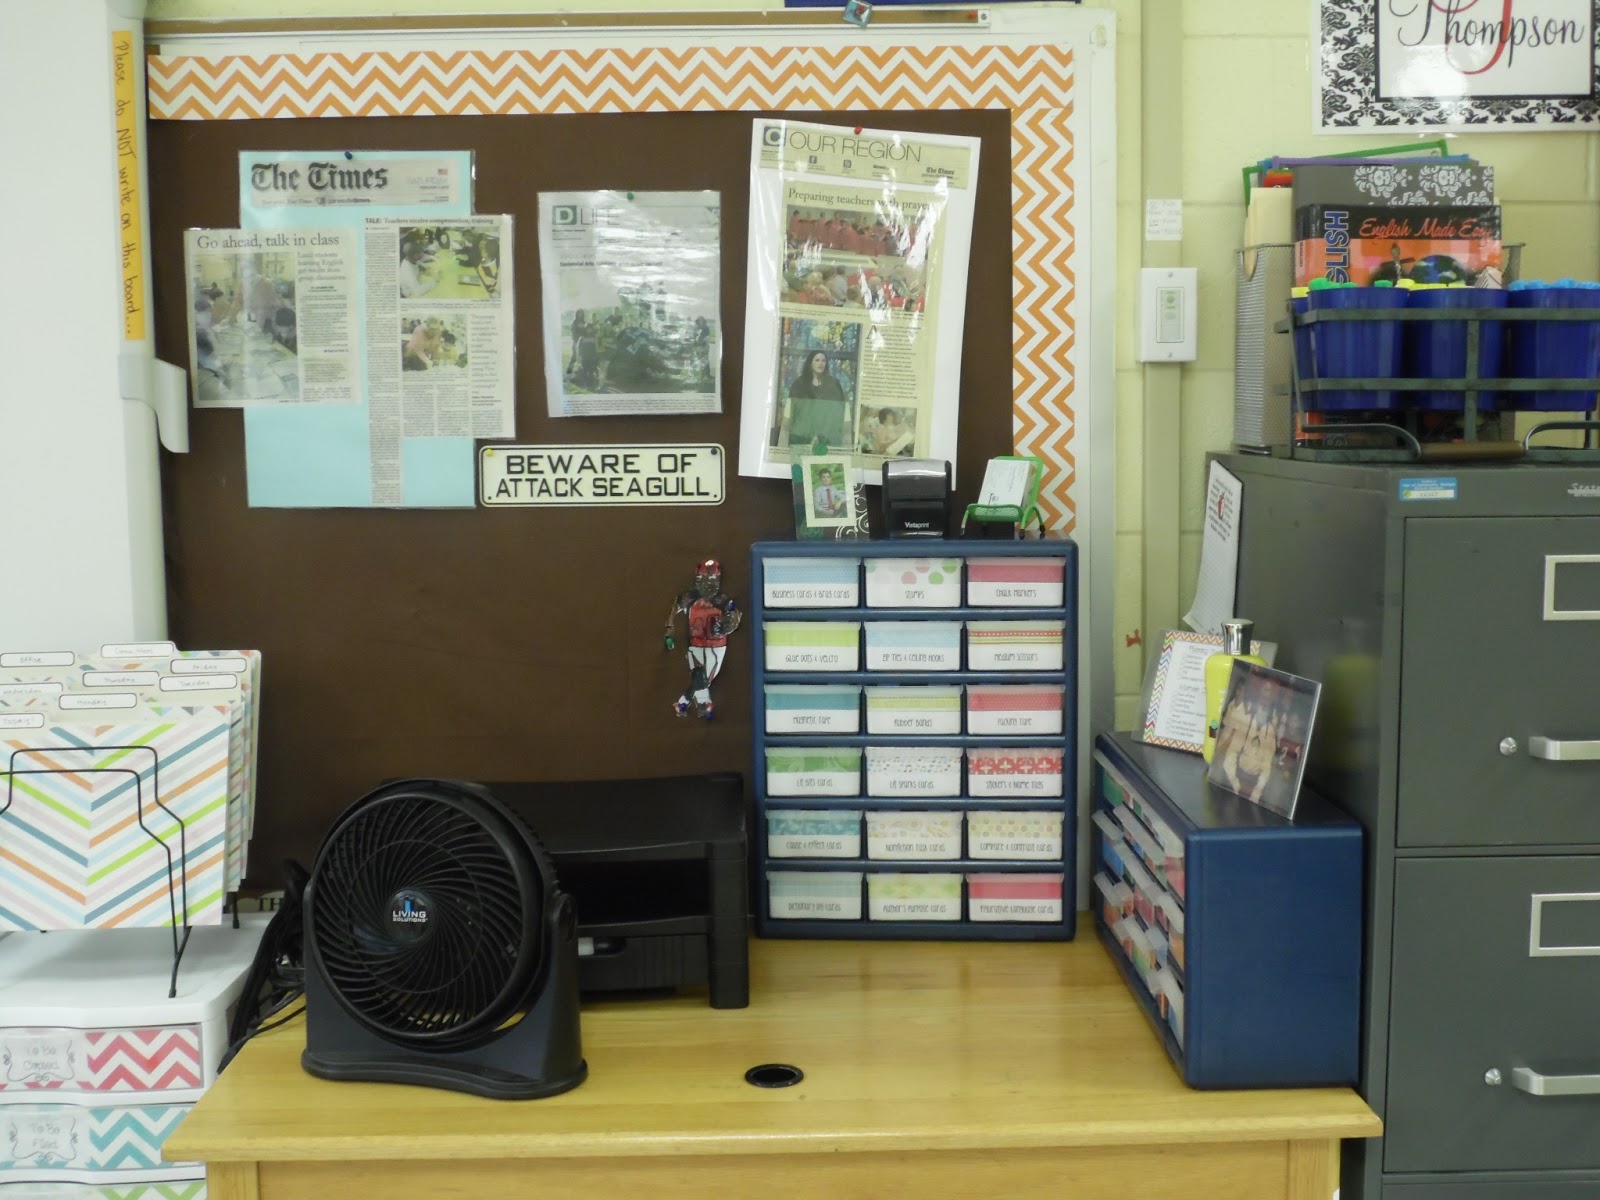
(125, 72)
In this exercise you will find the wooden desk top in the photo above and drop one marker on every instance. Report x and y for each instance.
(905, 1046)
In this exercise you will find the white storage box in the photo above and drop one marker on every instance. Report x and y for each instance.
(1016, 708)
(1014, 645)
(811, 582)
(913, 582)
(813, 833)
(914, 709)
(84, 1014)
(913, 771)
(814, 895)
(913, 896)
(813, 645)
(1004, 833)
(1014, 897)
(913, 835)
(1022, 582)
(913, 645)
(813, 708)
(813, 770)
(1003, 771)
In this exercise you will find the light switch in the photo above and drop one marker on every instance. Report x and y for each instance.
(1167, 322)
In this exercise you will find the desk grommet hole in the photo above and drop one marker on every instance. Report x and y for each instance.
(774, 1075)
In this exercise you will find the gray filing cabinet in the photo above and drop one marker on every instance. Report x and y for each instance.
(1453, 617)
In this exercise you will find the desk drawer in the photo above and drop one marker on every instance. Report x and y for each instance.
(1506, 613)
(1520, 939)
(1521, 1189)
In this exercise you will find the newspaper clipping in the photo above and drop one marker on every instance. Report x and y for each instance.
(272, 317)
(631, 309)
(858, 258)
(439, 334)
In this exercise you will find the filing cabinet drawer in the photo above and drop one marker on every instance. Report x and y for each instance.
(1500, 641)
(1520, 1189)
(1496, 968)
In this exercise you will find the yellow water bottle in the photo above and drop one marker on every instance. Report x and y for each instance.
(1219, 669)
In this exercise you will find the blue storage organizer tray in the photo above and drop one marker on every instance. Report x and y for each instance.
(857, 874)
(1269, 911)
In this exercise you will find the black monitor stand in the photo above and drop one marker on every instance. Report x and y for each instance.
(657, 870)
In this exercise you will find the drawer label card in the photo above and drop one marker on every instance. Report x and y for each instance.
(811, 593)
(45, 1140)
(1434, 487)
(38, 1059)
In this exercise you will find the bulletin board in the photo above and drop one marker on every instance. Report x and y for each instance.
(527, 643)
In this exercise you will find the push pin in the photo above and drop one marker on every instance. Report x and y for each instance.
(858, 12)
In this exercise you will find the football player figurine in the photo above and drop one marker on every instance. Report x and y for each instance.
(712, 616)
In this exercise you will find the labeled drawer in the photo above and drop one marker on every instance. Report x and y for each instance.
(817, 708)
(914, 710)
(913, 896)
(813, 645)
(1586, 1188)
(1014, 897)
(814, 771)
(1027, 582)
(913, 582)
(813, 833)
(1005, 833)
(811, 582)
(1013, 709)
(1496, 967)
(1010, 771)
(913, 770)
(52, 1063)
(1015, 645)
(913, 645)
(814, 895)
(913, 835)
(1520, 763)
(54, 1139)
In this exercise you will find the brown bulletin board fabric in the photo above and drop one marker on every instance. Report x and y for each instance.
(506, 644)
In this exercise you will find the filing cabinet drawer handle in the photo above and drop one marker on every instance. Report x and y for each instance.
(1552, 750)
(1535, 1084)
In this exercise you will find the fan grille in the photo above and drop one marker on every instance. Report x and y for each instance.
(425, 916)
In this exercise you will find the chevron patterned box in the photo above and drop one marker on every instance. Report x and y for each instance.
(174, 1189)
(85, 1017)
(89, 1144)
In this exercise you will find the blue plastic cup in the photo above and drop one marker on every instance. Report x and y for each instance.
(1555, 349)
(1438, 349)
(1356, 349)
(1302, 337)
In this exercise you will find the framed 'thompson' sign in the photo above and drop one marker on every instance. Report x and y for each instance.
(1457, 64)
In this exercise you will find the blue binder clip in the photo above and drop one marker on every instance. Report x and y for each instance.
(858, 12)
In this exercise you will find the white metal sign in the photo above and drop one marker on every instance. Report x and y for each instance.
(567, 476)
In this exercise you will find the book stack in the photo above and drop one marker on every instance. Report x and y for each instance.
(1389, 221)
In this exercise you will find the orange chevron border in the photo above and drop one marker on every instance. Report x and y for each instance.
(1034, 82)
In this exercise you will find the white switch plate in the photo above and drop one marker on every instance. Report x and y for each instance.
(1167, 314)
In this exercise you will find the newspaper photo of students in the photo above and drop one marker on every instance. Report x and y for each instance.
(634, 347)
(819, 363)
(453, 262)
(851, 258)
(433, 341)
(245, 330)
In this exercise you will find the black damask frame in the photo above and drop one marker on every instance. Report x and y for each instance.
(1346, 79)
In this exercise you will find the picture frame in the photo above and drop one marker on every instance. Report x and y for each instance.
(1265, 734)
(828, 502)
(1172, 703)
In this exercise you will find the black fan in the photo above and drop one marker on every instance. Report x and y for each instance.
(439, 949)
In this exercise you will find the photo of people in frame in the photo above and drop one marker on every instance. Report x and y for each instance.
(1263, 736)
(829, 491)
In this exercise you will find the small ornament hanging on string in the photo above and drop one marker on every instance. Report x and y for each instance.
(712, 616)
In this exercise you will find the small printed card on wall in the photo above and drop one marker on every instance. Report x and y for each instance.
(1265, 733)
(1174, 700)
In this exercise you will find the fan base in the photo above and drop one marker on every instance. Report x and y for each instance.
(487, 1082)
